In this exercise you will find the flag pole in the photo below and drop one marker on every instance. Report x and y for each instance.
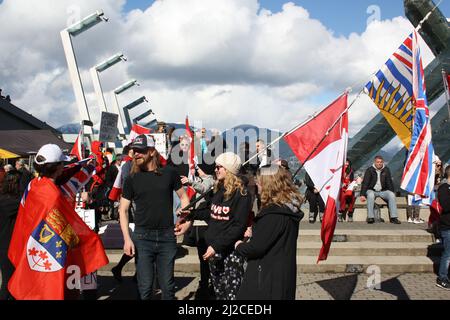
(326, 134)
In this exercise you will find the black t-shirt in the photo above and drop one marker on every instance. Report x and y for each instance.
(153, 196)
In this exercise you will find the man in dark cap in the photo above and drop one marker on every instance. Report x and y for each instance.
(151, 188)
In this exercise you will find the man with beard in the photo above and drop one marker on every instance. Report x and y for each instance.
(151, 187)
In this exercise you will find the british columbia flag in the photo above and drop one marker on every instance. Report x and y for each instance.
(418, 174)
(391, 90)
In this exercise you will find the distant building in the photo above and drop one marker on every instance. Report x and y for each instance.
(14, 118)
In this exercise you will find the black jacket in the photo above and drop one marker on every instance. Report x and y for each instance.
(272, 251)
(111, 175)
(25, 178)
(370, 180)
(227, 220)
(444, 201)
(9, 206)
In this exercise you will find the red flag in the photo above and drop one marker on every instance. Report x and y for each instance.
(48, 237)
(448, 84)
(435, 212)
(137, 130)
(77, 149)
(116, 190)
(190, 191)
(321, 145)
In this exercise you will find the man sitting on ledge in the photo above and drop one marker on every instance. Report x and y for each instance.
(378, 183)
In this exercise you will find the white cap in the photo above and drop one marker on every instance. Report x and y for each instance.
(230, 161)
(51, 154)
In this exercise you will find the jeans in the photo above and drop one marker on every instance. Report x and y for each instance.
(445, 258)
(387, 196)
(160, 247)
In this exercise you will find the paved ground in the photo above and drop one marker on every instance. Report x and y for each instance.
(309, 287)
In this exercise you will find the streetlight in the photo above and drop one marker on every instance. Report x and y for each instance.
(116, 92)
(74, 30)
(143, 116)
(87, 23)
(126, 110)
(152, 123)
(126, 86)
(95, 74)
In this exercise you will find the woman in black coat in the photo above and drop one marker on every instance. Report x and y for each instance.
(271, 253)
(9, 206)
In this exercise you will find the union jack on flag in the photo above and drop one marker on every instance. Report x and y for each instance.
(418, 175)
(78, 181)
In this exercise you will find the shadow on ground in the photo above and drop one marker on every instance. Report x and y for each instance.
(110, 289)
(341, 288)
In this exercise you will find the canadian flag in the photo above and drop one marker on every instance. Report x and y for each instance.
(77, 149)
(321, 145)
(190, 191)
(137, 130)
(116, 190)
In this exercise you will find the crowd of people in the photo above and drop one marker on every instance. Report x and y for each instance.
(243, 218)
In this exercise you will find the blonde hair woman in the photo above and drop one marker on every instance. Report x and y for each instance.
(271, 253)
(227, 221)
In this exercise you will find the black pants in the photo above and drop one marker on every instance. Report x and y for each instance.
(7, 270)
(195, 237)
(204, 266)
(316, 203)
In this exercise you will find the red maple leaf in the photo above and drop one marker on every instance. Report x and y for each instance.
(43, 255)
(33, 252)
(47, 265)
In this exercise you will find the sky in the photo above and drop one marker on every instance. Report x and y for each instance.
(343, 17)
(222, 62)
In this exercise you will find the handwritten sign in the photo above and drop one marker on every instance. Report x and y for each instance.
(108, 127)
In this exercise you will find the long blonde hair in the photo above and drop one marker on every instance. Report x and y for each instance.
(231, 183)
(277, 187)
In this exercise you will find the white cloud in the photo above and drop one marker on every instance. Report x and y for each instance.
(223, 62)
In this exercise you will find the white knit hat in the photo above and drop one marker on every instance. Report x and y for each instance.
(230, 161)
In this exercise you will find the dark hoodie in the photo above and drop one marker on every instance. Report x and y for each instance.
(272, 251)
(444, 201)
(227, 220)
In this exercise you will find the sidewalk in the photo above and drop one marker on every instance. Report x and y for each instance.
(408, 286)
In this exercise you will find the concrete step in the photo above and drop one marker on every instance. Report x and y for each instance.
(308, 264)
(371, 249)
(343, 249)
(360, 214)
(400, 235)
(392, 248)
(112, 238)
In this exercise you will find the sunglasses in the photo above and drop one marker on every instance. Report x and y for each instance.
(142, 151)
(219, 167)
